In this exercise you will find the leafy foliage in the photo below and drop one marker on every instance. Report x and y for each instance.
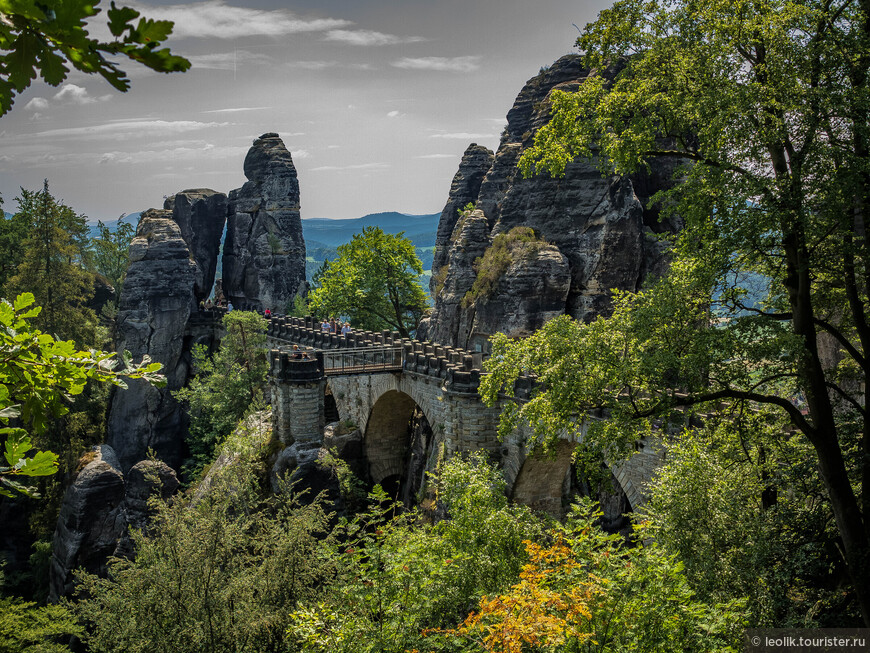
(228, 385)
(38, 377)
(220, 573)
(397, 576)
(373, 282)
(47, 37)
(587, 591)
(109, 253)
(27, 628)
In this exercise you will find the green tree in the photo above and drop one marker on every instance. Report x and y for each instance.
(52, 266)
(38, 377)
(767, 103)
(46, 37)
(220, 573)
(227, 385)
(110, 253)
(374, 282)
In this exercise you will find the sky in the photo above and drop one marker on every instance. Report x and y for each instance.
(375, 99)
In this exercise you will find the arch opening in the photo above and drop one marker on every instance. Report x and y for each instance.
(398, 441)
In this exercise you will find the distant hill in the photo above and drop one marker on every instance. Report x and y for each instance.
(332, 232)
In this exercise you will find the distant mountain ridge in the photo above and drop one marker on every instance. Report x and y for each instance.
(332, 232)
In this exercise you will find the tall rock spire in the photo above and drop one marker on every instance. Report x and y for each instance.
(264, 252)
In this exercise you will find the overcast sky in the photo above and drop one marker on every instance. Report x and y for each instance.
(376, 100)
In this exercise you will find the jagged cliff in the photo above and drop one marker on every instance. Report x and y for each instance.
(264, 252)
(172, 266)
(595, 232)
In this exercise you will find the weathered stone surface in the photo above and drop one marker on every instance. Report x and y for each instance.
(532, 291)
(145, 479)
(157, 300)
(448, 324)
(264, 252)
(465, 188)
(91, 520)
(598, 224)
(201, 214)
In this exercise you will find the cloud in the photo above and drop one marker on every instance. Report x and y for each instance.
(217, 19)
(37, 104)
(395, 114)
(300, 154)
(74, 94)
(463, 136)
(311, 65)
(237, 109)
(436, 156)
(125, 129)
(367, 37)
(228, 60)
(444, 64)
(359, 166)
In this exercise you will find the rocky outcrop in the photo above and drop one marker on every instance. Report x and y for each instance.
(97, 512)
(597, 226)
(264, 252)
(532, 290)
(201, 214)
(156, 303)
(448, 323)
(91, 520)
(464, 190)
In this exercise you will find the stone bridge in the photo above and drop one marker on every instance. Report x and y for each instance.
(380, 381)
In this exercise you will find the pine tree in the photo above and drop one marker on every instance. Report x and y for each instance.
(51, 266)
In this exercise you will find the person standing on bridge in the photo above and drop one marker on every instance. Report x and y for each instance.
(324, 326)
(345, 329)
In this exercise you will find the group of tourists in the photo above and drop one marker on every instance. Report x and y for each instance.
(335, 326)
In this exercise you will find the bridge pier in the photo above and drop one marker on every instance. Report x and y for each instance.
(298, 406)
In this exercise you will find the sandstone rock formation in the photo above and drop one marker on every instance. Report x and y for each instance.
(201, 214)
(264, 252)
(91, 521)
(464, 190)
(173, 258)
(97, 511)
(596, 226)
(156, 302)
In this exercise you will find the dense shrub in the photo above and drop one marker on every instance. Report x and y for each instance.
(520, 243)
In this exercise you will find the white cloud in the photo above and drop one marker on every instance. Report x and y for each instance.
(436, 156)
(367, 37)
(444, 64)
(217, 19)
(300, 154)
(395, 114)
(125, 128)
(463, 136)
(228, 60)
(74, 94)
(359, 166)
(37, 104)
(237, 109)
(311, 65)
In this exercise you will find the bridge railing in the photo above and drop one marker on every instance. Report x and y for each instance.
(362, 359)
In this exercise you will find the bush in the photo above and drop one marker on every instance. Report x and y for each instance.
(219, 575)
(520, 243)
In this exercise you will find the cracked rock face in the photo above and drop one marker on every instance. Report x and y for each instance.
(156, 302)
(201, 214)
(599, 231)
(264, 252)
